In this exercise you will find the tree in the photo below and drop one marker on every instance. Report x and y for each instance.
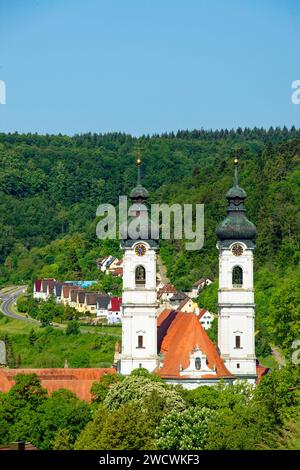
(62, 411)
(63, 440)
(32, 337)
(279, 392)
(73, 328)
(186, 430)
(19, 407)
(142, 372)
(243, 428)
(284, 315)
(100, 389)
(127, 428)
(137, 389)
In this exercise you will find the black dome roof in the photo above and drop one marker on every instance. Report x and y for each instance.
(236, 227)
(139, 192)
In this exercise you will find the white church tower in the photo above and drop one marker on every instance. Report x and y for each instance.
(139, 295)
(236, 242)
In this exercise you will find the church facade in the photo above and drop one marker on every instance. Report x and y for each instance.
(174, 344)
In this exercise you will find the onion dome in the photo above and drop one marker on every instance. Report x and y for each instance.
(236, 226)
(139, 210)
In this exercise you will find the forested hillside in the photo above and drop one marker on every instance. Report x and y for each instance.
(50, 187)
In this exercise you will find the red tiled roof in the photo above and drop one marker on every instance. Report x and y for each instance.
(201, 313)
(168, 288)
(182, 336)
(261, 371)
(115, 304)
(117, 272)
(78, 381)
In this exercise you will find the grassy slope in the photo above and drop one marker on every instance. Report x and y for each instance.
(53, 347)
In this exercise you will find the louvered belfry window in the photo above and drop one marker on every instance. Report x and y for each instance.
(140, 276)
(237, 276)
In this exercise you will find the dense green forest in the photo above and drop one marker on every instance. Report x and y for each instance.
(50, 187)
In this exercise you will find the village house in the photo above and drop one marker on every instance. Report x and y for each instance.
(166, 292)
(176, 299)
(73, 293)
(43, 288)
(103, 302)
(90, 302)
(57, 291)
(65, 293)
(206, 318)
(114, 311)
(188, 305)
(117, 272)
(198, 286)
(80, 301)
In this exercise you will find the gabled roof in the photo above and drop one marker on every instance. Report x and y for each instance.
(184, 302)
(48, 284)
(168, 288)
(109, 262)
(182, 336)
(81, 296)
(117, 272)
(66, 289)
(91, 298)
(261, 371)
(58, 288)
(201, 313)
(78, 381)
(73, 294)
(103, 301)
(178, 296)
(37, 285)
(201, 281)
(115, 304)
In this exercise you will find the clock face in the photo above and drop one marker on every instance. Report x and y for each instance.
(140, 249)
(237, 250)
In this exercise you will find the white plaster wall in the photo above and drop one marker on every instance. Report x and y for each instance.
(236, 313)
(139, 309)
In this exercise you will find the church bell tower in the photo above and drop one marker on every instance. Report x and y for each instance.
(236, 242)
(139, 296)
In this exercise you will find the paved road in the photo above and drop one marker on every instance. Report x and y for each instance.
(8, 298)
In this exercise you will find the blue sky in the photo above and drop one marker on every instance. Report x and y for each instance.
(148, 66)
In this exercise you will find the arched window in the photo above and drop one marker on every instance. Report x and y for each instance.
(140, 276)
(237, 276)
(197, 363)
